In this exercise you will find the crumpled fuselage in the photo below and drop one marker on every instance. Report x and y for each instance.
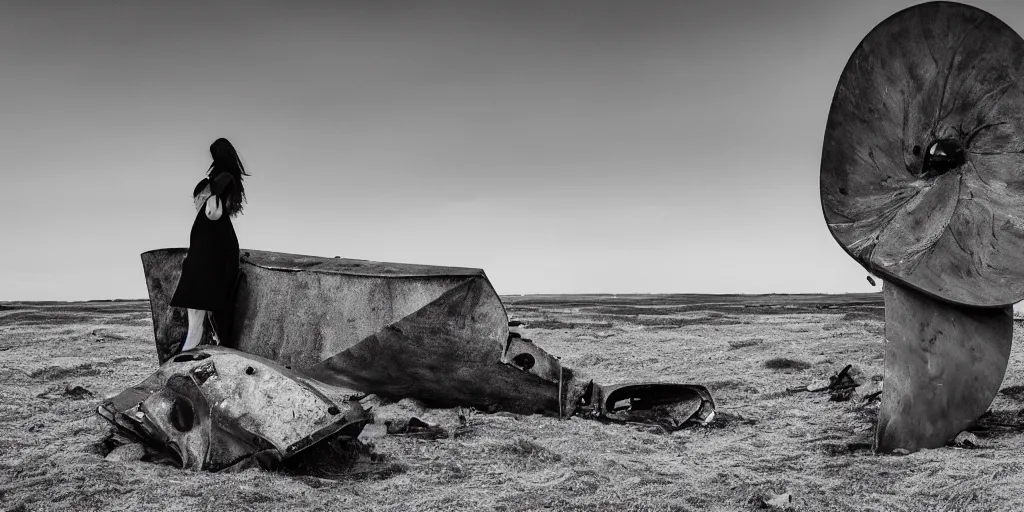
(214, 407)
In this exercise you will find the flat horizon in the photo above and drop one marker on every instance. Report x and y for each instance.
(694, 294)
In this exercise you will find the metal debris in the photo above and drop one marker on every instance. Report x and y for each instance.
(438, 335)
(214, 408)
(415, 427)
(840, 386)
(671, 406)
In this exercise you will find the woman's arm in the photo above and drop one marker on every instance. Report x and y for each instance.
(218, 188)
(221, 183)
(214, 209)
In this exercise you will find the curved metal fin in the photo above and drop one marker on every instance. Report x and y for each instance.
(943, 367)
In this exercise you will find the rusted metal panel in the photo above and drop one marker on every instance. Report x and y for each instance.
(215, 406)
(527, 356)
(943, 367)
(300, 310)
(432, 335)
(351, 267)
(436, 334)
(671, 406)
(303, 318)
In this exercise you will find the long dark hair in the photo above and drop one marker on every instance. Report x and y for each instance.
(225, 159)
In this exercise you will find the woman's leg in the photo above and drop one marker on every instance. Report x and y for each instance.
(196, 318)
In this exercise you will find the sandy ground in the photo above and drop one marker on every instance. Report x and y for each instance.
(801, 444)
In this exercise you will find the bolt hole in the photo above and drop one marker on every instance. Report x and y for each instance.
(333, 410)
(249, 370)
(524, 361)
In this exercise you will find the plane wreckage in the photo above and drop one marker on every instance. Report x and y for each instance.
(215, 408)
(439, 335)
(921, 185)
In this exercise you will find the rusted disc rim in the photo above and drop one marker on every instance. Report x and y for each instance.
(922, 170)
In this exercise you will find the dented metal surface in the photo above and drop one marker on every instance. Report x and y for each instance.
(215, 407)
(672, 406)
(439, 335)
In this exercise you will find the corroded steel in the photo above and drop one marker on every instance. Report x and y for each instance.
(214, 407)
(436, 334)
(943, 367)
(920, 166)
(920, 183)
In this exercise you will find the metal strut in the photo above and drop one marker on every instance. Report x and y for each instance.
(559, 359)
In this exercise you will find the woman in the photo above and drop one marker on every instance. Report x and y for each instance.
(210, 269)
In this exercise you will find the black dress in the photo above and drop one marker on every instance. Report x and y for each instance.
(210, 270)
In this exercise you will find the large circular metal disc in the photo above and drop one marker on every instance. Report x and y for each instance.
(922, 170)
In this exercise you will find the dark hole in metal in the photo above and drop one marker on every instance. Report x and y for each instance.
(941, 157)
(524, 361)
(332, 410)
(917, 150)
(188, 356)
(182, 414)
(249, 370)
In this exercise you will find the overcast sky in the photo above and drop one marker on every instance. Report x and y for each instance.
(564, 147)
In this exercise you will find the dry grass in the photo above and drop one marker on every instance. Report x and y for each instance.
(796, 443)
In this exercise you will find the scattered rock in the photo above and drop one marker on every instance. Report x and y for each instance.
(372, 431)
(725, 419)
(70, 390)
(966, 439)
(838, 449)
(77, 392)
(1013, 391)
(744, 343)
(784, 363)
(773, 501)
(780, 501)
(869, 392)
(415, 427)
(126, 453)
